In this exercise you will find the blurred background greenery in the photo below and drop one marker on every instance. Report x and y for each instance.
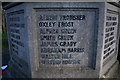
(4, 40)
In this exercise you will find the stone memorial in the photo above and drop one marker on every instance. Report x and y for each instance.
(63, 39)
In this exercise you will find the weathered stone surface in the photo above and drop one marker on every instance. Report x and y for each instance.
(18, 42)
(111, 39)
(62, 39)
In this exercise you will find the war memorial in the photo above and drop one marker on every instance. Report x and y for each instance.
(63, 39)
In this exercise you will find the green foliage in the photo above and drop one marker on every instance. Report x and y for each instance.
(4, 41)
(0, 31)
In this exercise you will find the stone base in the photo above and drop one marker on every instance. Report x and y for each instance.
(13, 71)
(113, 71)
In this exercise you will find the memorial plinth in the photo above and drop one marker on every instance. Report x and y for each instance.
(62, 39)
